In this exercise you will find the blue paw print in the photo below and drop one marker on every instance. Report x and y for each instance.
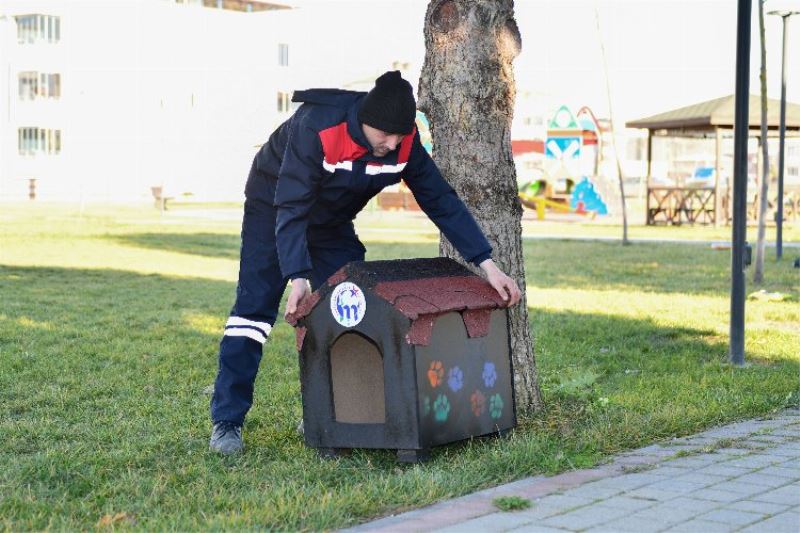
(489, 374)
(455, 379)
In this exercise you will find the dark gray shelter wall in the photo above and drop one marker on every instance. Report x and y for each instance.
(384, 326)
(476, 388)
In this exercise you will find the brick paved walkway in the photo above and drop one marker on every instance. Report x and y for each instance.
(740, 477)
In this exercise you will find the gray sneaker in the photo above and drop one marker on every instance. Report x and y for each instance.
(226, 438)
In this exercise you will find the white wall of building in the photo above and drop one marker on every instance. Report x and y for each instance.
(157, 93)
(153, 93)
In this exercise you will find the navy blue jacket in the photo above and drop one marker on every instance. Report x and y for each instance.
(326, 174)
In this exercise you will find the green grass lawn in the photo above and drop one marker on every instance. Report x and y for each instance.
(373, 222)
(109, 325)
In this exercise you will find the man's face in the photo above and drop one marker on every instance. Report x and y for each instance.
(381, 142)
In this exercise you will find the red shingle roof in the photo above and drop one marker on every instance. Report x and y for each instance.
(420, 289)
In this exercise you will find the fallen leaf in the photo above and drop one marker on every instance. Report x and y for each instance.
(765, 296)
(110, 520)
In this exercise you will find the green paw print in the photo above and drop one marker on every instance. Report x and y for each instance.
(441, 408)
(496, 406)
(426, 406)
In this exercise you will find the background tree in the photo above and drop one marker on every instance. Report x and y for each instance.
(467, 91)
(620, 175)
(758, 271)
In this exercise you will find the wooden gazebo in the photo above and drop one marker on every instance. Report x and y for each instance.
(711, 119)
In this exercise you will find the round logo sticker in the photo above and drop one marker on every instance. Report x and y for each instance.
(348, 305)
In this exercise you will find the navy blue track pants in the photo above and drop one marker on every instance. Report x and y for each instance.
(259, 292)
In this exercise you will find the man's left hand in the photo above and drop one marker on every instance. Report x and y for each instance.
(300, 289)
(505, 286)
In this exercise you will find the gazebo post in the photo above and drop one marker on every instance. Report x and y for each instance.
(718, 174)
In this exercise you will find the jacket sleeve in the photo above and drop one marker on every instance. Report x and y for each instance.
(443, 206)
(298, 182)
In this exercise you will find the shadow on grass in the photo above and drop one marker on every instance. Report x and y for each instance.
(668, 268)
(651, 267)
(221, 245)
(218, 245)
(102, 379)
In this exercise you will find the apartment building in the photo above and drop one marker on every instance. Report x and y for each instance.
(101, 100)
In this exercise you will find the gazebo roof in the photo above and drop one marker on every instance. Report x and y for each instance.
(719, 113)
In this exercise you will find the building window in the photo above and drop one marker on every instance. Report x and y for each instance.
(52, 85)
(793, 171)
(39, 141)
(34, 85)
(38, 28)
(28, 85)
(283, 55)
(284, 102)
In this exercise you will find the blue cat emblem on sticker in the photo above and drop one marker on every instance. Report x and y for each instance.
(348, 304)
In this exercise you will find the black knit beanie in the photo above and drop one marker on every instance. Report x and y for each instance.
(390, 105)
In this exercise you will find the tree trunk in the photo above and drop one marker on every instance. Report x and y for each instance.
(758, 271)
(467, 91)
(621, 177)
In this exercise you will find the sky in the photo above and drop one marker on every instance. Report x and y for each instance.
(662, 54)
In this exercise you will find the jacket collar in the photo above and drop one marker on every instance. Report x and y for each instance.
(354, 126)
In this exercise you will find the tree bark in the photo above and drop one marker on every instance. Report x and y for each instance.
(758, 271)
(467, 92)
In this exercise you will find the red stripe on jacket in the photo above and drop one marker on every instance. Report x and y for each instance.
(405, 147)
(337, 145)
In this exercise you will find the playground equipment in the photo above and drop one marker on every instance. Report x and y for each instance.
(540, 203)
(582, 200)
(586, 198)
(571, 151)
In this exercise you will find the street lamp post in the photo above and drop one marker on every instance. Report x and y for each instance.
(739, 224)
(779, 218)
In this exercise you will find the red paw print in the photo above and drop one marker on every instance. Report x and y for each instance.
(436, 373)
(478, 401)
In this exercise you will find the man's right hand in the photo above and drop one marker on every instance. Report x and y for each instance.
(300, 288)
(505, 286)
